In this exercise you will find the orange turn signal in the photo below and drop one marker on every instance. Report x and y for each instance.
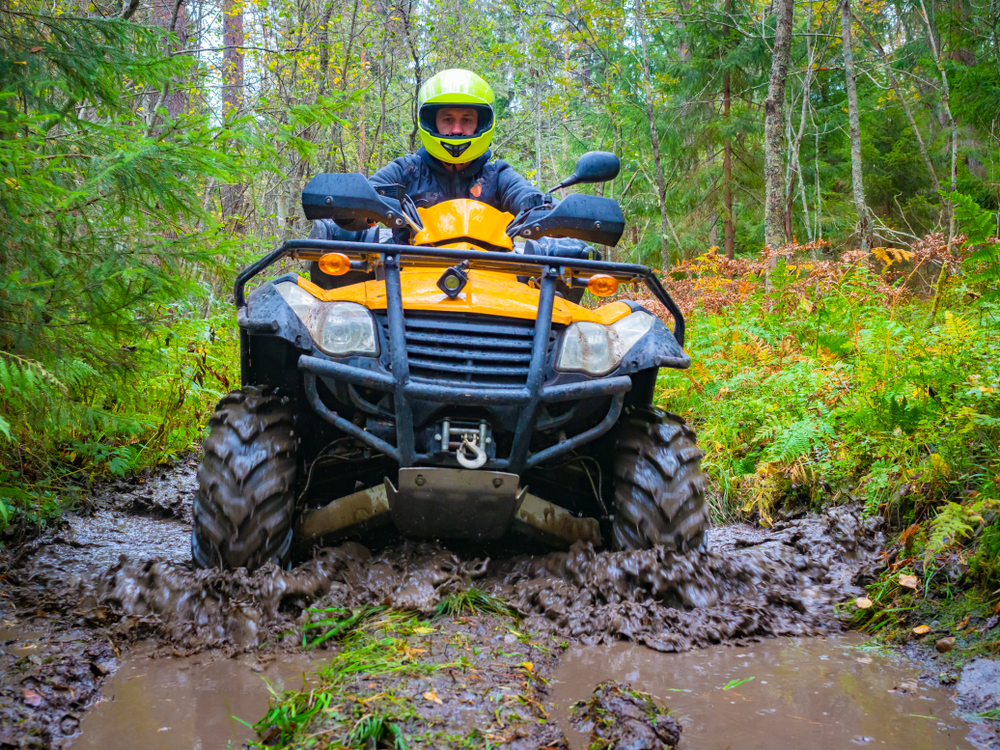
(336, 264)
(602, 285)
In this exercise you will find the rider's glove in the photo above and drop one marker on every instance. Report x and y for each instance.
(524, 224)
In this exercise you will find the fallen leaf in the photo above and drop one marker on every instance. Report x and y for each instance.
(906, 580)
(432, 696)
(423, 630)
(36, 49)
(528, 666)
(863, 602)
(921, 629)
(31, 697)
(963, 623)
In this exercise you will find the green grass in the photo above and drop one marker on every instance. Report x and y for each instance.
(473, 601)
(372, 643)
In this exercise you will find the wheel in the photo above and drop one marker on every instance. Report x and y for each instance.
(659, 485)
(245, 504)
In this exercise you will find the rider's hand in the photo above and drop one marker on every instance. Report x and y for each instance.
(524, 224)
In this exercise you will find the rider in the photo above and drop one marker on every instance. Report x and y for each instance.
(456, 122)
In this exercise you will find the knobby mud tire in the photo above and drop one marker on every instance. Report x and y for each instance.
(245, 505)
(659, 485)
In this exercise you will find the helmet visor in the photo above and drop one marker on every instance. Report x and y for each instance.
(428, 119)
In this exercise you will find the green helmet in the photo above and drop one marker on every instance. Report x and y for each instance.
(455, 88)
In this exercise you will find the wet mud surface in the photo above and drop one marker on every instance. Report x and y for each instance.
(825, 693)
(122, 576)
(191, 703)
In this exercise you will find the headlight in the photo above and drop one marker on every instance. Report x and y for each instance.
(597, 349)
(338, 328)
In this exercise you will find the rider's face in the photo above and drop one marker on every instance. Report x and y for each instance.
(457, 120)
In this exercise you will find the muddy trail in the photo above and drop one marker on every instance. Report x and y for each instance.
(113, 593)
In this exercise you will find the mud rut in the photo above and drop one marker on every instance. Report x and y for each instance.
(121, 574)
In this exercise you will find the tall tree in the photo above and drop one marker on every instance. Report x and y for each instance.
(774, 183)
(865, 228)
(729, 228)
(661, 187)
(232, 99)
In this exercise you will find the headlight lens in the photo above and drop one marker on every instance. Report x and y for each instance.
(339, 328)
(597, 349)
(344, 328)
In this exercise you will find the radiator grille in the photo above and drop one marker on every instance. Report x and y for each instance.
(463, 349)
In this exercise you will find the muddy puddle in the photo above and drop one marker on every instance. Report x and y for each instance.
(194, 703)
(822, 693)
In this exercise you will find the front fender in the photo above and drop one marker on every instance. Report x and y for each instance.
(658, 348)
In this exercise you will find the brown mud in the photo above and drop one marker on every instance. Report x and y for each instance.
(823, 693)
(122, 575)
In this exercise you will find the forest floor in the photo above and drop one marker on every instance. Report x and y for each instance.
(106, 631)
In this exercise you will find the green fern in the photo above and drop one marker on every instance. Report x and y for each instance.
(952, 524)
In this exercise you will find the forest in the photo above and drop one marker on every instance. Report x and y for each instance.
(818, 183)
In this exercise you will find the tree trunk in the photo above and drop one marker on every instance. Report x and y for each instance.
(661, 187)
(774, 187)
(729, 229)
(857, 179)
(232, 100)
(946, 108)
(171, 15)
(794, 163)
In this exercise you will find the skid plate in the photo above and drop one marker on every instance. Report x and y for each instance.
(456, 503)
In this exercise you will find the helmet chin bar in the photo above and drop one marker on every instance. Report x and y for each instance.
(455, 149)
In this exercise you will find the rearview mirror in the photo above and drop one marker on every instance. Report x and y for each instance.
(348, 196)
(593, 166)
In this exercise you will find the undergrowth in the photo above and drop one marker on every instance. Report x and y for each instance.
(834, 386)
(68, 423)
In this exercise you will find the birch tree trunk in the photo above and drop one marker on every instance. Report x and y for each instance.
(774, 182)
(854, 123)
(661, 187)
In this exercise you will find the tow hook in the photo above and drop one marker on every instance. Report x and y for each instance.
(469, 442)
(469, 454)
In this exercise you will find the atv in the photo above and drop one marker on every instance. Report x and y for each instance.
(451, 386)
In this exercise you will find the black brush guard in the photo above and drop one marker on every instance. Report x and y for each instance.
(546, 269)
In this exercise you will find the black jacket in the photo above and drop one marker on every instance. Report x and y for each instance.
(428, 182)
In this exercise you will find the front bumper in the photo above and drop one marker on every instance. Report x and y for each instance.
(408, 392)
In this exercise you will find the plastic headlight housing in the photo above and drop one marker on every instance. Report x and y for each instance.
(340, 329)
(598, 349)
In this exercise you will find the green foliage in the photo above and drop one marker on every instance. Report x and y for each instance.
(831, 388)
(371, 643)
(979, 225)
(109, 352)
(473, 601)
(334, 623)
(952, 524)
(376, 730)
(984, 564)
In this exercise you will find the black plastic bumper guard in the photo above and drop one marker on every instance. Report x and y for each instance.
(405, 391)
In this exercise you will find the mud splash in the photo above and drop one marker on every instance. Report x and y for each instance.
(822, 693)
(784, 582)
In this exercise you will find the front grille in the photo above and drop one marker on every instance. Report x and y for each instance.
(460, 349)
